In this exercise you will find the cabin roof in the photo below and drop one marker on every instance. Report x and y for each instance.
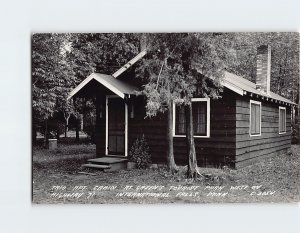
(117, 86)
(243, 86)
(233, 82)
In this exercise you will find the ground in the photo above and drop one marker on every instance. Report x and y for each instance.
(56, 180)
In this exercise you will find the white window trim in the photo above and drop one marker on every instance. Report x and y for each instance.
(207, 117)
(282, 108)
(106, 126)
(259, 103)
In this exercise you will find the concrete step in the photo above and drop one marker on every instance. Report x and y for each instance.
(98, 166)
(107, 164)
(107, 160)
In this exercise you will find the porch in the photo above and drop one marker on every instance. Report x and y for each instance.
(112, 99)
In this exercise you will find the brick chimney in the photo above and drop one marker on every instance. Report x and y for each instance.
(263, 63)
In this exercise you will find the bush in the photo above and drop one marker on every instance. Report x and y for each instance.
(139, 153)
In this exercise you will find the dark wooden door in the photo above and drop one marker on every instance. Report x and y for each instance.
(116, 126)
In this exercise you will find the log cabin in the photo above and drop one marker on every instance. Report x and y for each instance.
(247, 124)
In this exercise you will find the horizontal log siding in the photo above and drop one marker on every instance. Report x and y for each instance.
(154, 130)
(216, 151)
(219, 149)
(229, 143)
(250, 149)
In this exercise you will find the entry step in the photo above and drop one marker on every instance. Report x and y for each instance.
(99, 166)
(107, 160)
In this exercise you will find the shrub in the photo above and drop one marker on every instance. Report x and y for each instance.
(139, 153)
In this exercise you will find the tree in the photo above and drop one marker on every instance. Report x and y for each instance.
(52, 76)
(178, 67)
(61, 61)
(284, 59)
(101, 52)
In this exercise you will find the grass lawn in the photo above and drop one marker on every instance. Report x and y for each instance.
(56, 180)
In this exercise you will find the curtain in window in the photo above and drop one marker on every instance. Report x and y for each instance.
(199, 117)
(180, 120)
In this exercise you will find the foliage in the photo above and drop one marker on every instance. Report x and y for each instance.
(89, 126)
(139, 153)
(101, 52)
(54, 126)
(178, 66)
(61, 61)
(284, 59)
(52, 79)
(52, 74)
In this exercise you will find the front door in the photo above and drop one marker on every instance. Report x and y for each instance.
(116, 126)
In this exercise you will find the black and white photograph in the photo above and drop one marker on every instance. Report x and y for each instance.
(138, 116)
(156, 118)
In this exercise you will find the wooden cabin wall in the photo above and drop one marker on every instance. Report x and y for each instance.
(153, 129)
(216, 151)
(219, 149)
(250, 149)
(229, 143)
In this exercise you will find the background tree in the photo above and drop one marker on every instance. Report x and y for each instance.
(52, 77)
(101, 52)
(61, 61)
(284, 59)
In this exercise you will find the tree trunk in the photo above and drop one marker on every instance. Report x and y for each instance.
(77, 129)
(170, 150)
(192, 161)
(57, 133)
(46, 133)
(67, 126)
(81, 122)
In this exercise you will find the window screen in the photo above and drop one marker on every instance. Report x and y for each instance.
(282, 120)
(255, 119)
(199, 118)
(180, 121)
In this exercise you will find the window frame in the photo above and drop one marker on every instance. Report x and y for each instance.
(282, 108)
(207, 100)
(260, 109)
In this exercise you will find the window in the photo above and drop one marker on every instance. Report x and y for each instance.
(201, 118)
(255, 118)
(282, 120)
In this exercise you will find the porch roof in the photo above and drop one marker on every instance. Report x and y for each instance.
(117, 86)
